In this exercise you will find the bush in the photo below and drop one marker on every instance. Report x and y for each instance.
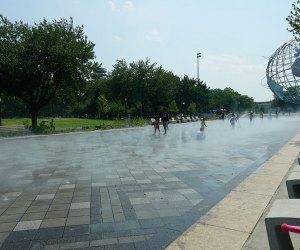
(45, 128)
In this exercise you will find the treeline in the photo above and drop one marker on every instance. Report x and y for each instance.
(140, 89)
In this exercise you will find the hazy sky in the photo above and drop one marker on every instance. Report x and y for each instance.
(232, 35)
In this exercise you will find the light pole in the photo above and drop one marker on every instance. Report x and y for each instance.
(127, 116)
(125, 99)
(198, 56)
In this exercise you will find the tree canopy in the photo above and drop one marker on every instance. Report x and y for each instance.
(41, 61)
(294, 20)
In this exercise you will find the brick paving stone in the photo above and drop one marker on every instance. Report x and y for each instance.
(127, 225)
(16, 246)
(21, 203)
(65, 200)
(67, 186)
(78, 220)
(44, 202)
(76, 230)
(64, 194)
(79, 212)
(75, 245)
(80, 205)
(15, 210)
(18, 236)
(36, 209)
(7, 227)
(58, 222)
(49, 233)
(56, 214)
(28, 225)
(33, 216)
(59, 207)
(45, 197)
(122, 240)
(10, 218)
(81, 199)
(102, 228)
(37, 244)
(104, 242)
(52, 247)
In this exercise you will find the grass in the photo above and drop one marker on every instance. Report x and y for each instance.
(73, 123)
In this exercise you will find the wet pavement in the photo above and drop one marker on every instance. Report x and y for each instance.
(125, 189)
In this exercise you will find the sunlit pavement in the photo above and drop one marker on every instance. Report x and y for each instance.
(126, 189)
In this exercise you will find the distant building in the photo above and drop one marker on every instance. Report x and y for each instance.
(265, 107)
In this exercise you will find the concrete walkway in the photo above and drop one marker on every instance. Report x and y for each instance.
(130, 189)
(237, 222)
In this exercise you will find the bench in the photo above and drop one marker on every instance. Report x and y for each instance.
(293, 185)
(172, 121)
(283, 211)
(13, 130)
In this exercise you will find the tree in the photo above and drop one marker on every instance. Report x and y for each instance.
(102, 105)
(146, 86)
(191, 90)
(192, 108)
(173, 109)
(294, 20)
(44, 60)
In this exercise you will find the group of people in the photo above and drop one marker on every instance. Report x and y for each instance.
(165, 120)
(233, 119)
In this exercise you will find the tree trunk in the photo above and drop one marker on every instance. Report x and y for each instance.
(34, 116)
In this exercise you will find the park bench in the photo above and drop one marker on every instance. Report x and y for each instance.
(172, 121)
(14, 130)
(284, 211)
(293, 185)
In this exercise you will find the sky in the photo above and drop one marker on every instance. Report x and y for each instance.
(234, 37)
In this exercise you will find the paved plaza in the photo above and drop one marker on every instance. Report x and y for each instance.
(125, 189)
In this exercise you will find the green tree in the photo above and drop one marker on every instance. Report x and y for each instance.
(192, 108)
(146, 87)
(173, 109)
(44, 60)
(191, 90)
(102, 105)
(294, 20)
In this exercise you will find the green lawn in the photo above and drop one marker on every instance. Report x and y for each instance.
(78, 122)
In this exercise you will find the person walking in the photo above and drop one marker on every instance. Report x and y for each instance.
(165, 120)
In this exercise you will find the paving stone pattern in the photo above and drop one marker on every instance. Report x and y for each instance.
(124, 189)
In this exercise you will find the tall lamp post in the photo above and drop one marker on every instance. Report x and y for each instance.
(125, 99)
(0, 112)
(198, 56)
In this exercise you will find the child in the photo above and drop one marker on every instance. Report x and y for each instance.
(156, 125)
(202, 125)
(232, 120)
